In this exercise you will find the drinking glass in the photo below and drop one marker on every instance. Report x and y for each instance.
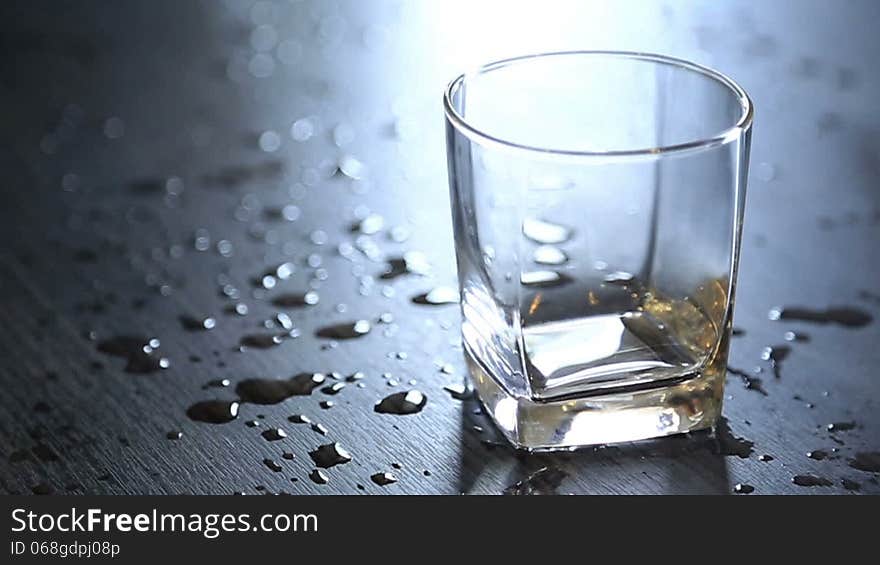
(597, 202)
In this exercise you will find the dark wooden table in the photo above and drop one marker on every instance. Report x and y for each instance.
(145, 190)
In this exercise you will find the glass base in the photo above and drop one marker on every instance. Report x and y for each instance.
(692, 402)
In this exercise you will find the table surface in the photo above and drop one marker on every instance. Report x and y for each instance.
(151, 178)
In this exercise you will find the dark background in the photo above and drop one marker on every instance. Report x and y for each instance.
(104, 102)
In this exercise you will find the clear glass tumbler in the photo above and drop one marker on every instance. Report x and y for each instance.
(597, 201)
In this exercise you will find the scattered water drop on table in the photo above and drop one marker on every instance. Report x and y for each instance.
(841, 426)
(273, 465)
(191, 323)
(811, 481)
(817, 454)
(775, 355)
(412, 262)
(296, 300)
(217, 383)
(459, 391)
(844, 315)
(850, 484)
(274, 434)
(174, 435)
(335, 388)
(729, 444)
(383, 479)
(749, 381)
(438, 296)
(350, 330)
(742, 488)
(139, 352)
(330, 455)
(319, 477)
(213, 411)
(273, 391)
(402, 403)
(867, 461)
(261, 341)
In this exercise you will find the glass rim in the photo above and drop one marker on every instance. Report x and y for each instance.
(733, 132)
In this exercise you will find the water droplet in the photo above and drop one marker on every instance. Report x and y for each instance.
(302, 129)
(549, 255)
(273, 465)
(729, 444)
(850, 485)
(139, 352)
(765, 458)
(333, 389)
(174, 435)
(793, 336)
(318, 428)
(742, 488)
(343, 134)
(543, 481)
(319, 477)
(225, 248)
(296, 300)
(459, 391)
(867, 461)
(618, 277)
(354, 377)
(272, 391)
(330, 455)
(543, 279)
(845, 315)
(383, 479)
(274, 434)
(351, 167)
(288, 455)
(412, 262)
(540, 231)
(438, 296)
(213, 411)
(372, 224)
(811, 481)
(269, 141)
(749, 381)
(299, 419)
(402, 403)
(841, 426)
(192, 323)
(261, 341)
(217, 383)
(290, 213)
(775, 355)
(353, 330)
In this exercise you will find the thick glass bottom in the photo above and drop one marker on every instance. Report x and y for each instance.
(691, 402)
